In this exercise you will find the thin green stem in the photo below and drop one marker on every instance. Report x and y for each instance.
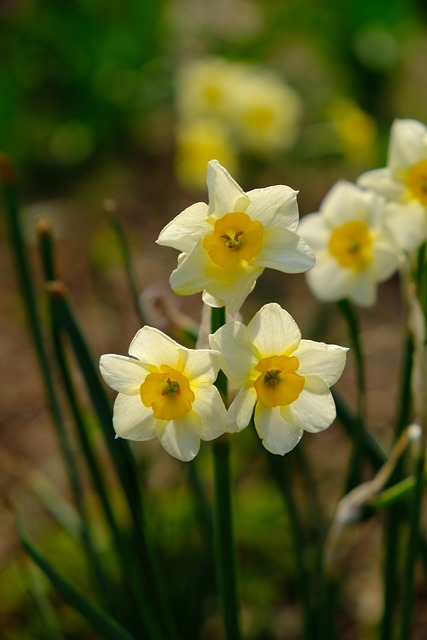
(394, 517)
(223, 521)
(126, 256)
(412, 547)
(350, 316)
(279, 470)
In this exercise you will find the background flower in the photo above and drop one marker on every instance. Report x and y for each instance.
(165, 391)
(354, 251)
(404, 183)
(285, 378)
(227, 244)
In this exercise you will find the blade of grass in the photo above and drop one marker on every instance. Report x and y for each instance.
(24, 274)
(110, 208)
(121, 456)
(98, 619)
(134, 583)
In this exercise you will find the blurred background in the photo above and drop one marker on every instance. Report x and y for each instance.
(127, 101)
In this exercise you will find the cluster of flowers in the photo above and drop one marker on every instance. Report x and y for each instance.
(223, 106)
(358, 237)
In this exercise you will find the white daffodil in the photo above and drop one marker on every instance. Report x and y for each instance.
(285, 378)
(266, 112)
(165, 391)
(404, 183)
(227, 244)
(354, 251)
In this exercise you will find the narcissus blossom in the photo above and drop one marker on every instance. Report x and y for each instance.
(404, 183)
(165, 391)
(286, 379)
(354, 250)
(227, 244)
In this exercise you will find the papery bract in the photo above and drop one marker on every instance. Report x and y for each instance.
(354, 249)
(226, 245)
(165, 391)
(284, 378)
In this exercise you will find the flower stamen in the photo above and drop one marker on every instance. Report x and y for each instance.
(235, 238)
(168, 393)
(278, 383)
(416, 179)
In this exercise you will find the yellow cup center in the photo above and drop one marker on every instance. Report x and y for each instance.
(235, 237)
(416, 179)
(168, 393)
(259, 118)
(351, 245)
(278, 383)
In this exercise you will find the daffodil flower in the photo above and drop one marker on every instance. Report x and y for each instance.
(286, 379)
(404, 183)
(165, 391)
(227, 244)
(354, 250)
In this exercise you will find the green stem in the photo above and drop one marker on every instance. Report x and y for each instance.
(25, 279)
(127, 260)
(223, 521)
(412, 546)
(354, 470)
(279, 470)
(394, 517)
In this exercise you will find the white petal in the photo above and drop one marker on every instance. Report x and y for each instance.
(346, 202)
(180, 438)
(362, 289)
(200, 365)
(237, 358)
(153, 347)
(190, 275)
(196, 272)
(225, 195)
(314, 409)
(327, 280)
(407, 223)
(211, 301)
(273, 331)
(326, 361)
(277, 435)
(408, 143)
(285, 251)
(385, 258)
(315, 231)
(274, 206)
(209, 406)
(183, 231)
(382, 181)
(132, 420)
(122, 373)
(241, 409)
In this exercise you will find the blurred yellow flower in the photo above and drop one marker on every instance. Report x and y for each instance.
(265, 112)
(203, 87)
(356, 129)
(196, 143)
(226, 245)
